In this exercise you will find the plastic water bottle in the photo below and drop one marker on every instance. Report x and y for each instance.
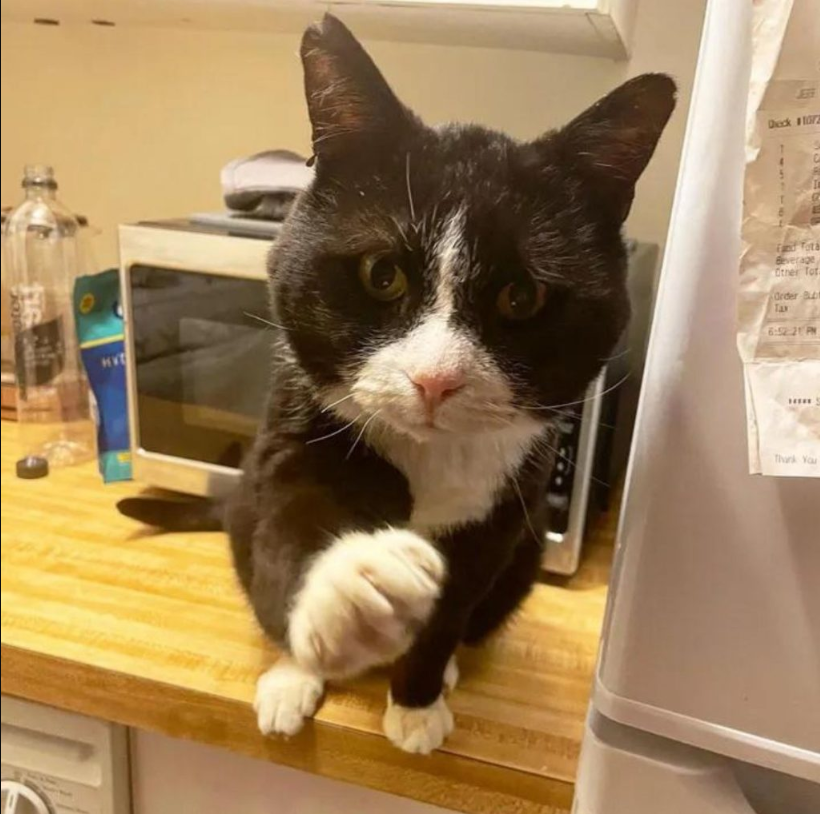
(44, 257)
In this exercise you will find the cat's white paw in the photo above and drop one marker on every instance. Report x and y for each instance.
(286, 695)
(451, 674)
(363, 600)
(418, 729)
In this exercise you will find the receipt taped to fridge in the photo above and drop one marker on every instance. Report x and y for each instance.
(779, 294)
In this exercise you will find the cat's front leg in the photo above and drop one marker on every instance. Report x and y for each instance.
(286, 695)
(418, 718)
(363, 601)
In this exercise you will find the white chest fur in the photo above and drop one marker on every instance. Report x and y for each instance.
(454, 481)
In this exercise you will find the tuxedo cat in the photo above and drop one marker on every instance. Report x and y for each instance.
(440, 296)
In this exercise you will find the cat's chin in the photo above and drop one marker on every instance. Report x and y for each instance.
(424, 433)
(421, 433)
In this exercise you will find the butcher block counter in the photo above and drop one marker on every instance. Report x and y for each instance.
(105, 618)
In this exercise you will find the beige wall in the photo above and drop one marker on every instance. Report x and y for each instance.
(139, 121)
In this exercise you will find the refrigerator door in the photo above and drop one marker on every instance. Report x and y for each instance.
(712, 635)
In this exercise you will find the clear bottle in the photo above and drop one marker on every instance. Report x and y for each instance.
(41, 242)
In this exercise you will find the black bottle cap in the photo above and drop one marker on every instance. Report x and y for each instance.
(32, 466)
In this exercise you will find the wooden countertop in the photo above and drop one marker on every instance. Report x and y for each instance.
(151, 631)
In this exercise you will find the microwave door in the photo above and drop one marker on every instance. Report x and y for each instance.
(201, 363)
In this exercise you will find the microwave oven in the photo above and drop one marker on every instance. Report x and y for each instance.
(195, 301)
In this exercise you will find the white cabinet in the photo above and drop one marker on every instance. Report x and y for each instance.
(171, 776)
(599, 28)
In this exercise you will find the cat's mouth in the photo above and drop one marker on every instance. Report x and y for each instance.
(375, 410)
(458, 421)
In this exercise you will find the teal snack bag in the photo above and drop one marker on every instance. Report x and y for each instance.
(100, 331)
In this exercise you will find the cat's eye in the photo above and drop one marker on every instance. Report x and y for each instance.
(522, 299)
(381, 277)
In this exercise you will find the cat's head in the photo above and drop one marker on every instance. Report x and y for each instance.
(452, 279)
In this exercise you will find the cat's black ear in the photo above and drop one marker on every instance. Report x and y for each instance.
(351, 105)
(611, 142)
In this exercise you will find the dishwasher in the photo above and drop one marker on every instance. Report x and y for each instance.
(57, 762)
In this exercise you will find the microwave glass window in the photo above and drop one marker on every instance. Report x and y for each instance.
(202, 362)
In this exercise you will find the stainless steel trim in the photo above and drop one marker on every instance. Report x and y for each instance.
(226, 255)
(183, 474)
(188, 252)
(562, 552)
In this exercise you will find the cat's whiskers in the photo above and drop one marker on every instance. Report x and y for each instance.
(624, 352)
(264, 321)
(541, 441)
(494, 408)
(330, 406)
(609, 389)
(409, 188)
(333, 133)
(361, 433)
(566, 415)
(335, 432)
(400, 228)
(524, 508)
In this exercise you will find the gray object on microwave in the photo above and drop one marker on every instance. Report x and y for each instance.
(265, 185)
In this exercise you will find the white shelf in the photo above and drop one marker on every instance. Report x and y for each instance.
(599, 28)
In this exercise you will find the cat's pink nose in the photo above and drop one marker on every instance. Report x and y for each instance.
(436, 387)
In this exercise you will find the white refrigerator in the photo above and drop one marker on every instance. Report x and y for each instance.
(707, 691)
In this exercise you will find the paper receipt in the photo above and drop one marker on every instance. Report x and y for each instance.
(779, 295)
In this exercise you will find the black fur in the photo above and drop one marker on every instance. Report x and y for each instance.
(550, 210)
(174, 515)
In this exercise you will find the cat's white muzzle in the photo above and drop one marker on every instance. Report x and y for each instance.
(434, 379)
